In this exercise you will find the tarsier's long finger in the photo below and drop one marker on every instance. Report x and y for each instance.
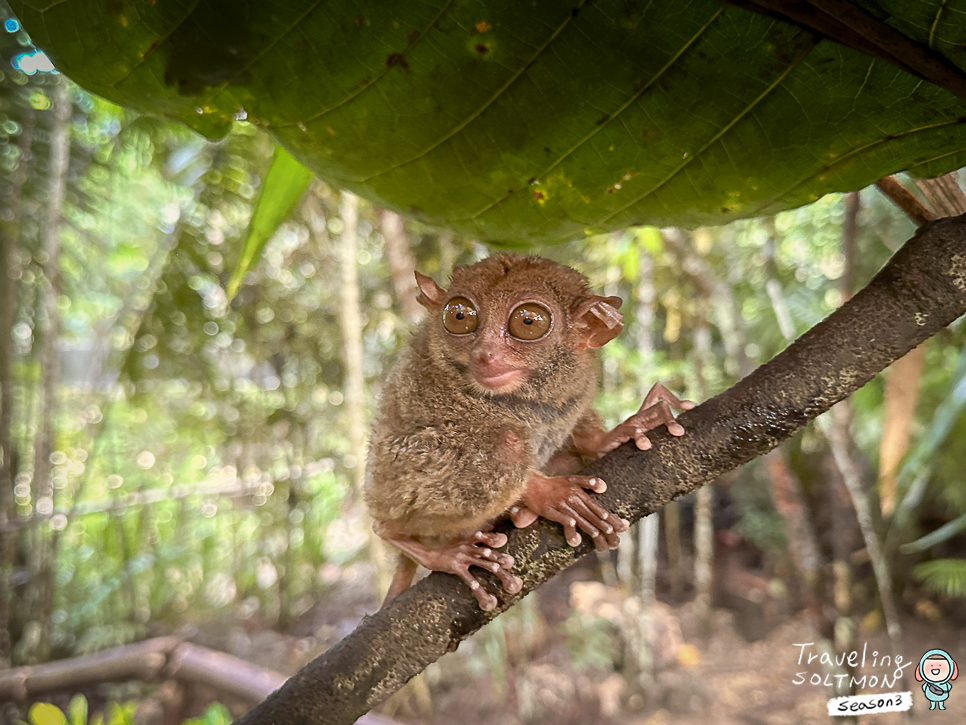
(641, 440)
(496, 540)
(607, 525)
(474, 554)
(596, 533)
(511, 582)
(673, 427)
(597, 485)
(521, 516)
(487, 601)
(659, 392)
(599, 512)
(569, 523)
(613, 443)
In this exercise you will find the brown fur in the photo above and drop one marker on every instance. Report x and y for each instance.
(447, 455)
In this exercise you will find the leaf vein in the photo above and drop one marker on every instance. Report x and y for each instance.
(615, 115)
(844, 157)
(473, 116)
(372, 81)
(156, 45)
(691, 157)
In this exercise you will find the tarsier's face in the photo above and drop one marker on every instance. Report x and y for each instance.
(499, 338)
(511, 320)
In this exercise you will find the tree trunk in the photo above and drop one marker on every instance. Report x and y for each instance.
(704, 498)
(44, 548)
(835, 429)
(402, 263)
(920, 291)
(350, 325)
(10, 276)
(850, 230)
(898, 414)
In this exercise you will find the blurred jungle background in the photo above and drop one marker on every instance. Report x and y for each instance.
(175, 464)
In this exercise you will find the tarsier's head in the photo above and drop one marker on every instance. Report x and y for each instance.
(511, 319)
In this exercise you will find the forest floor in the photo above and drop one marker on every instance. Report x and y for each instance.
(562, 662)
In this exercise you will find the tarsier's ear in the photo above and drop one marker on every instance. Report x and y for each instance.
(597, 320)
(430, 294)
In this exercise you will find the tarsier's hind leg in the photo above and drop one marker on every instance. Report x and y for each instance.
(457, 558)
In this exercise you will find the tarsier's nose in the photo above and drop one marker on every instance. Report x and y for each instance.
(484, 355)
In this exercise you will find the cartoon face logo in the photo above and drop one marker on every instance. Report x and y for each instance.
(936, 672)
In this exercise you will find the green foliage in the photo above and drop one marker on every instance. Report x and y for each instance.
(934, 538)
(200, 465)
(214, 714)
(43, 713)
(492, 118)
(591, 642)
(283, 186)
(944, 576)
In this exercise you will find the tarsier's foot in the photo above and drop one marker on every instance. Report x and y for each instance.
(564, 500)
(654, 411)
(458, 556)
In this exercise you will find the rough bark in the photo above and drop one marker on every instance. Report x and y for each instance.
(920, 291)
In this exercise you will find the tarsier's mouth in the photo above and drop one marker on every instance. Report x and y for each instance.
(497, 381)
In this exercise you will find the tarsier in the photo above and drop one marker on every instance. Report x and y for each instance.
(488, 413)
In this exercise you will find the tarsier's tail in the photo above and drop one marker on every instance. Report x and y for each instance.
(402, 578)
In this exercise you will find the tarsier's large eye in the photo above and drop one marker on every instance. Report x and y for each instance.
(459, 316)
(529, 321)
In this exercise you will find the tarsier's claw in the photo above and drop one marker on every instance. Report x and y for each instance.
(490, 539)
(487, 601)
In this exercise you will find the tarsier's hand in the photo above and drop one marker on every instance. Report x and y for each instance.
(564, 500)
(654, 411)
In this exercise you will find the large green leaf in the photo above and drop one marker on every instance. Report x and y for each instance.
(532, 121)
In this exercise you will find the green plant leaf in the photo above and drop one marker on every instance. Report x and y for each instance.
(214, 714)
(77, 710)
(945, 576)
(283, 186)
(943, 533)
(915, 472)
(43, 713)
(527, 122)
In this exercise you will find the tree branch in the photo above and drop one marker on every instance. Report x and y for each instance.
(920, 291)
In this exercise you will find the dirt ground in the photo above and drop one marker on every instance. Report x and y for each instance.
(565, 656)
(725, 680)
(720, 679)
